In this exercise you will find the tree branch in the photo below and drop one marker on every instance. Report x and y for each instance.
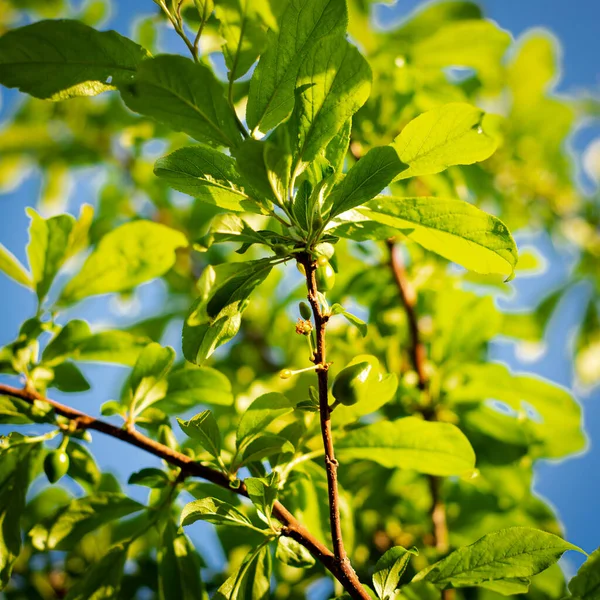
(417, 353)
(331, 464)
(409, 301)
(291, 527)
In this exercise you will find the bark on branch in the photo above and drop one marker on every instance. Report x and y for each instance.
(291, 527)
(331, 463)
(418, 357)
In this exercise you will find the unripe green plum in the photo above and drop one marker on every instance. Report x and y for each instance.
(351, 383)
(325, 275)
(56, 465)
(305, 311)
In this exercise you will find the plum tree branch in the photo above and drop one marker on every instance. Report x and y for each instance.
(418, 357)
(409, 302)
(331, 463)
(291, 527)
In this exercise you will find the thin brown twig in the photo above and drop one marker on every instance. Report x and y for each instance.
(291, 527)
(331, 463)
(418, 357)
(409, 301)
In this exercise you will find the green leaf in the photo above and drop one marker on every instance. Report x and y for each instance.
(111, 408)
(214, 511)
(453, 134)
(338, 309)
(149, 477)
(508, 587)
(263, 447)
(261, 413)
(79, 238)
(243, 32)
(453, 229)
(425, 21)
(81, 516)
(494, 424)
(517, 552)
(231, 228)
(185, 96)
(147, 383)
(269, 11)
(278, 162)
(75, 340)
(18, 412)
(206, 174)
(333, 82)
(18, 466)
(464, 322)
(47, 249)
(586, 584)
(68, 378)
(203, 428)
(201, 385)
(336, 150)
(110, 347)
(178, 567)
(529, 86)
(420, 590)
(475, 44)
(291, 553)
(411, 443)
(129, 255)
(263, 492)
(251, 159)
(253, 581)
(356, 226)
(301, 26)
(215, 317)
(10, 266)
(103, 578)
(369, 176)
(556, 428)
(389, 570)
(82, 466)
(66, 342)
(61, 59)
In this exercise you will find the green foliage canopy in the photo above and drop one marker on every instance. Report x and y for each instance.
(333, 147)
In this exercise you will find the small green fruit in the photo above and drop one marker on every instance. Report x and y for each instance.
(56, 464)
(305, 311)
(325, 275)
(351, 383)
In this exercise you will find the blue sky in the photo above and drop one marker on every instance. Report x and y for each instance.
(570, 485)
